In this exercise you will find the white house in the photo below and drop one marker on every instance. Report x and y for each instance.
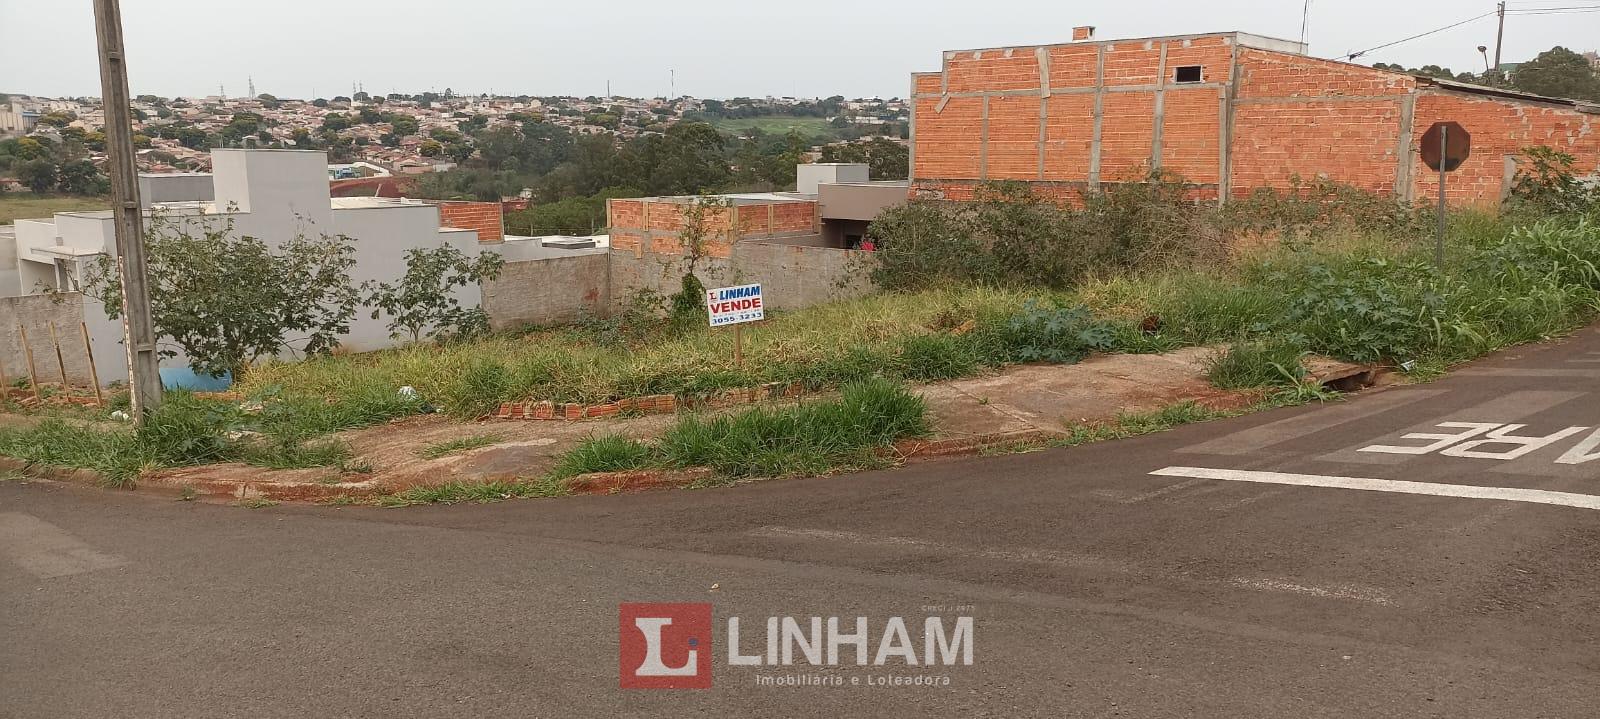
(269, 194)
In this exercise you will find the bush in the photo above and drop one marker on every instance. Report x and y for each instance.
(1045, 333)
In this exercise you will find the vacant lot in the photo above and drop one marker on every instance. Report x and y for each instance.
(24, 206)
(779, 125)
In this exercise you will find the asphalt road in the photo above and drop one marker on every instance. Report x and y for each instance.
(1308, 562)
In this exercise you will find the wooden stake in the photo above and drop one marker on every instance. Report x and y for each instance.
(738, 345)
(5, 382)
(33, 373)
(94, 374)
(61, 361)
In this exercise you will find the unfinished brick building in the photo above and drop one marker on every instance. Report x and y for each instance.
(1230, 112)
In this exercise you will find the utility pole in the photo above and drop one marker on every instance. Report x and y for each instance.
(1500, 36)
(138, 333)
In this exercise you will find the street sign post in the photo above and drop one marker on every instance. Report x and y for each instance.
(735, 306)
(1444, 147)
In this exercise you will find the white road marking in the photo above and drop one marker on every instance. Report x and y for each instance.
(45, 550)
(1508, 494)
(1351, 592)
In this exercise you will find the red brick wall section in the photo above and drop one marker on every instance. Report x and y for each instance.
(1013, 138)
(1127, 134)
(794, 217)
(1292, 116)
(992, 70)
(1500, 129)
(625, 214)
(1306, 117)
(1191, 134)
(1071, 136)
(949, 141)
(485, 217)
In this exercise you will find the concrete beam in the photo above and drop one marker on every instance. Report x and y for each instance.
(1099, 115)
(1160, 110)
(1403, 187)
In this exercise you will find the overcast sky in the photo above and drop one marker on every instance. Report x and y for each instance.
(719, 48)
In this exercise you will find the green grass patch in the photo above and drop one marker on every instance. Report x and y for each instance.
(606, 453)
(28, 206)
(455, 446)
(806, 439)
(817, 127)
(1275, 361)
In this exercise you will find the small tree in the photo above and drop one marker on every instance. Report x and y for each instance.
(423, 303)
(229, 300)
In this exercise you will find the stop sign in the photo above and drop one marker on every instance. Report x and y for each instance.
(1457, 146)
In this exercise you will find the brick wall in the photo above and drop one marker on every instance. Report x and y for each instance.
(1500, 130)
(486, 218)
(1066, 117)
(1306, 117)
(652, 225)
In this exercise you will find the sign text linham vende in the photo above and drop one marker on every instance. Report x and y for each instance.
(735, 305)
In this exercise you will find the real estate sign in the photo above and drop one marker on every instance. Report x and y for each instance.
(735, 305)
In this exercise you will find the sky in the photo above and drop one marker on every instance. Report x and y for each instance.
(716, 48)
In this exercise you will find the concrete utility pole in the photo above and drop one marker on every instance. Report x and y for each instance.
(144, 376)
(1500, 36)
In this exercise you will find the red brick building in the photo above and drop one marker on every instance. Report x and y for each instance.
(1230, 112)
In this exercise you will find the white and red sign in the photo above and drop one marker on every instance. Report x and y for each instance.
(735, 305)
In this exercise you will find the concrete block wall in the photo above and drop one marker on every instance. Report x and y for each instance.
(792, 276)
(487, 218)
(36, 313)
(1073, 116)
(556, 290)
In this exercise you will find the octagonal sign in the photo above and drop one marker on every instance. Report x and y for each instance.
(1457, 146)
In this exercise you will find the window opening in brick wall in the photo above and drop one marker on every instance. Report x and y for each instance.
(1187, 73)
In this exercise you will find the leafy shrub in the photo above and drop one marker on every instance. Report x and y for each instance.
(1546, 183)
(1365, 310)
(1041, 333)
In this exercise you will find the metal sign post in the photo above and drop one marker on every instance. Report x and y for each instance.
(1438, 242)
(1444, 147)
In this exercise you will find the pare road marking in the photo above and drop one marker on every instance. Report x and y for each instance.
(1493, 440)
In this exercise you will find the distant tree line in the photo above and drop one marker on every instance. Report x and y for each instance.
(1557, 72)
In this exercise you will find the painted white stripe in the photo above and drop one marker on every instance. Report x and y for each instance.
(1508, 494)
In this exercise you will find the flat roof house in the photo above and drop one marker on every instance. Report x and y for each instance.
(270, 194)
(1230, 112)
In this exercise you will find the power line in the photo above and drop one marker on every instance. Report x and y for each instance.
(1359, 53)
